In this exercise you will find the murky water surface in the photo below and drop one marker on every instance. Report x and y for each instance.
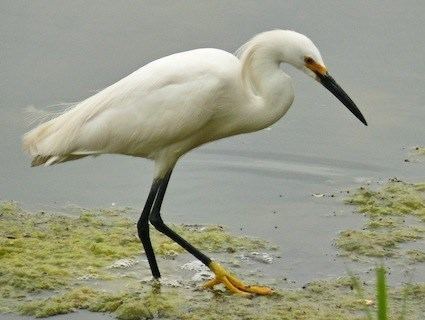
(259, 184)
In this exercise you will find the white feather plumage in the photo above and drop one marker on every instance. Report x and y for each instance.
(177, 103)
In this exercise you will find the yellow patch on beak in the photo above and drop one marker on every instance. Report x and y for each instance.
(316, 68)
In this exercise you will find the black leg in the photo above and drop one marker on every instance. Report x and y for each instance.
(143, 229)
(156, 220)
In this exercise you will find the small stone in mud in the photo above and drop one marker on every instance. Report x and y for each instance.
(194, 265)
(262, 257)
(173, 283)
(122, 263)
(318, 195)
(87, 277)
(202, 276)
(230, 250)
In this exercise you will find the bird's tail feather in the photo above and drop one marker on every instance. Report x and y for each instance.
(52, 142)
(33, 115)
(39, 160)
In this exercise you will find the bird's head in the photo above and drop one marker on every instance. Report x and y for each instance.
(299, 51)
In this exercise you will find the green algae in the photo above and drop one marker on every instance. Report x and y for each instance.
(48, 252)
(9, 207)
(45, 251)
(416, 255)
(420, 150)
(171, 304)
(375, 243)
(410, 300)
(395, 198)
(80, 298)
(211, 238)
(126, 306)
(387, 210)
(326, 299)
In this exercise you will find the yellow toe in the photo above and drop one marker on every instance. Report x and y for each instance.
(233, 284)
(211, 283)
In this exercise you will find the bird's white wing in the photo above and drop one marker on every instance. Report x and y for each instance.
(159, 104)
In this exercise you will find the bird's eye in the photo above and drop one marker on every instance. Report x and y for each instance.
(308, 60)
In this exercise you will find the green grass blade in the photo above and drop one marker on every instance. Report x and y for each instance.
(381, 294)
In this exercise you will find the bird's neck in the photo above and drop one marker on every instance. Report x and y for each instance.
(263, 77)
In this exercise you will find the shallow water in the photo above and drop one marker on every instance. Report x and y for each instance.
(64, 51)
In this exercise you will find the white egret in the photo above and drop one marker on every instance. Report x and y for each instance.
(177, 103)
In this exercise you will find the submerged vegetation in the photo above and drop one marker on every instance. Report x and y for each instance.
(404, 300)
(389, 211)
(49, 261)
(45, 251)
(415, 154)
(128, 305)
(332, 299)
(397, 198)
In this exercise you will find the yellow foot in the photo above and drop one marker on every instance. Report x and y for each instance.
(232, 283)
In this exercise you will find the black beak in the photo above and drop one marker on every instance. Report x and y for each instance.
(329, 83)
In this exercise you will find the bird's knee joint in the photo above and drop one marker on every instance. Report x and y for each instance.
(157, 222)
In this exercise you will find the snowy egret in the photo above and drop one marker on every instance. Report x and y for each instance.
(177, 103)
